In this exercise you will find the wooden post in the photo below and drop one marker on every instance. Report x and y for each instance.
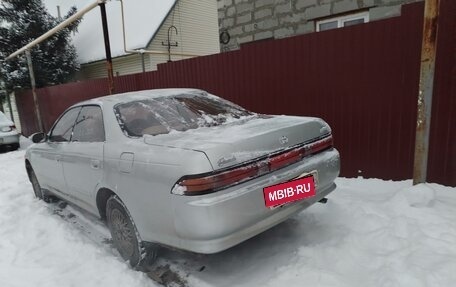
(35, 98)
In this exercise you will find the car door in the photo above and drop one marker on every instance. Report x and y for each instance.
(83, 156)
(47, 156)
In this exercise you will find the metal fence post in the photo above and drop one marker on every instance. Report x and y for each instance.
(423, 122)
(104, 22)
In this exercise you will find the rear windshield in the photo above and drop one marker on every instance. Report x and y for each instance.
(177, 113)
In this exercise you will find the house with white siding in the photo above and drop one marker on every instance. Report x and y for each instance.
(156, 31)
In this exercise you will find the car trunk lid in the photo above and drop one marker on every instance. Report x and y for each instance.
(237, 142)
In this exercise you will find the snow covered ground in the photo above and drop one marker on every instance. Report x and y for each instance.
(370, 233)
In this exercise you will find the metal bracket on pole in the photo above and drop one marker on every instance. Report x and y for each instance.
(423, 122)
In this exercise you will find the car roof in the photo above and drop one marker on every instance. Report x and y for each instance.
(137, 95)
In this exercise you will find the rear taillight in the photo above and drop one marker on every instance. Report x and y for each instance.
(216, 181)
(284, 159)
(211, 182)
(318, 146)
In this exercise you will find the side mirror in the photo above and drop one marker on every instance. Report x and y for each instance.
(38, 137)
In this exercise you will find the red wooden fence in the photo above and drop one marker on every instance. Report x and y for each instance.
(363, 80)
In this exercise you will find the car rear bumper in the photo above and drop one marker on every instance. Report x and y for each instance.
(9, 138)
(215, 222)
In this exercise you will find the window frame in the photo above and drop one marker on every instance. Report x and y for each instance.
(72, 127)
(102, 124)
(342, 19)
(49, 136)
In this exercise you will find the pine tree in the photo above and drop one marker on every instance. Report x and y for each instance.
(54, 60)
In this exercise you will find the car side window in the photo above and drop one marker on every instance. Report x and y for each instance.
(89, 125)
(64, 127)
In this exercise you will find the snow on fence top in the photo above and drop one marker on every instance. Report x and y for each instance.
(142, 19)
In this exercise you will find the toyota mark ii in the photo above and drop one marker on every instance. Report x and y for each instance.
(182, 168)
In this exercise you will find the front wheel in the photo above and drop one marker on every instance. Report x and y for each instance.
(36, 185)
(125, 236)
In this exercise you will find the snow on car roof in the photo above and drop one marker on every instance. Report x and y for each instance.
(142, 20)
(138, 95)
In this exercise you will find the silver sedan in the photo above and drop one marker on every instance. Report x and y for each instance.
(182, 168)
(9, 137)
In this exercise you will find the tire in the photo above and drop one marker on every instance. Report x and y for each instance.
(36, 185)
(125, 237)
(15, 146)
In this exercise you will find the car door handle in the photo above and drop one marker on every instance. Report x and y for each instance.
(95, 164)
(58, 158)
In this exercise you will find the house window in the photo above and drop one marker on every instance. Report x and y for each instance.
(343, 21)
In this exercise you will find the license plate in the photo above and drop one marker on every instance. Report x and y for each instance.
(297, 189)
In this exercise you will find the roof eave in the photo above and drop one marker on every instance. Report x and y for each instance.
(161, 24)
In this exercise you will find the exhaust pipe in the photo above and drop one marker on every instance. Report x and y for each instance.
(324, 200)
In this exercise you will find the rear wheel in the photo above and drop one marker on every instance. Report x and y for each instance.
(37, 188)
(125, 236)
(36, 185)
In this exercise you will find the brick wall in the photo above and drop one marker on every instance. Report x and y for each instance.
(253, 20)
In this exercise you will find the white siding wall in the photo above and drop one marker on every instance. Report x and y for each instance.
(7, 113)
(197, 25)
(122, 66)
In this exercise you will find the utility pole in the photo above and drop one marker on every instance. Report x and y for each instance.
(104, 22)
(423, 123)
(32, 81)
